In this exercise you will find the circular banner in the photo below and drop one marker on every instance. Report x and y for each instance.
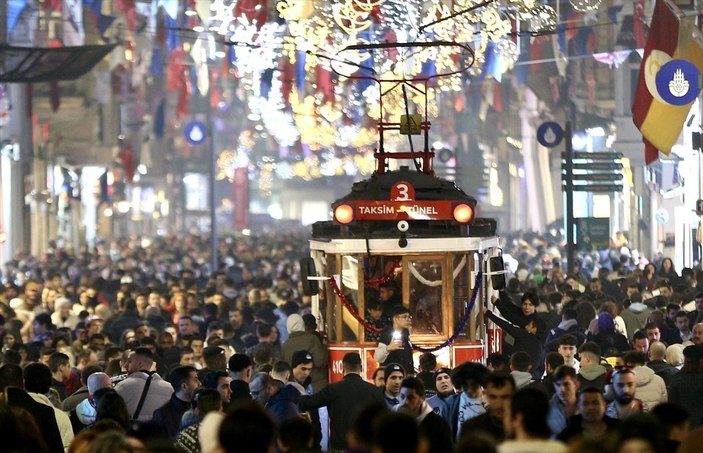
(195, 132)
(678, 82)
(550, 134)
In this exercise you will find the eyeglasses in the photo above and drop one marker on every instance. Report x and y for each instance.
(405, 316)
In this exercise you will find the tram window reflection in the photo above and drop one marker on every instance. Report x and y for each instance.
(350, 289)
(426, 296)
(462, 287)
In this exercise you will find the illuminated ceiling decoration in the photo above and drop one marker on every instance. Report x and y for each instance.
(319, 107)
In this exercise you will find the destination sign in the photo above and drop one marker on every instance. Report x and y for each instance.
(594, 166)
(601, 155)
(403, 210)
(595, 188)
(597, 177)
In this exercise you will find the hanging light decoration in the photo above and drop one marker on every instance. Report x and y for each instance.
(585, 5)
(345, 116)
(543, 20)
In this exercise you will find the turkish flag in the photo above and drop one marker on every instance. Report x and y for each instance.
(669, 38)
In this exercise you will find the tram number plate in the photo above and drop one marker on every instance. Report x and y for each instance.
(403, 210)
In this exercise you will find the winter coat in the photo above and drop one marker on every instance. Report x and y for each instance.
(651, 389)
(663, 369)
(168, 417)
(284, 404)
(521, 378)
(592, 376)
(635, 317)
(307, 341)
(130, 389)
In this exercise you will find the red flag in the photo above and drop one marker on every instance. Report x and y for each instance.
(127, 157)
(253, 10)
(54, 96)
(669, 38)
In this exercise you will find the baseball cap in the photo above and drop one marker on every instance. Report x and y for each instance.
(300, 357)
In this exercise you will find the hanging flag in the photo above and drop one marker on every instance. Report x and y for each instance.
(104, 189)
(492, 63)
(129, 9)
(14, 11)
(638, 22)
(300, 72)
(255, 11)
(265, 83)
(157, 62)
(523, 61)
(127, 158)
(54, 96)
(160, 120)
(173, 40)
(323, 80)
(73, 33)
(669, 38)
(54, 5)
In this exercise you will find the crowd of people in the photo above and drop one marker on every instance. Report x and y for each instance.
(140, 346)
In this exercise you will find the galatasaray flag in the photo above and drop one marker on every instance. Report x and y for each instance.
(669, 38)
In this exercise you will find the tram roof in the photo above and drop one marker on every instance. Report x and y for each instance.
(415, 245)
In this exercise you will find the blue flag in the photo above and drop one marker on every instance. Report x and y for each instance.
(14, 11)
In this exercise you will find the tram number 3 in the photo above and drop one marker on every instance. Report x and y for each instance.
(402, 191)
(337, 367)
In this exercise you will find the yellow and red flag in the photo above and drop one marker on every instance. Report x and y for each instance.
(669, 38)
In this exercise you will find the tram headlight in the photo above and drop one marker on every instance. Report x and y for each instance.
(463, 213)
(344, 214)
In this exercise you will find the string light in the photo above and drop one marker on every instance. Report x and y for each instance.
(585, 5)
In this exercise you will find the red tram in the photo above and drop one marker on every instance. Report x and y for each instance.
(410, 226)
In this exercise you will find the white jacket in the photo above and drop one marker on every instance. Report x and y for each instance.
(651, 389)
(62, 419)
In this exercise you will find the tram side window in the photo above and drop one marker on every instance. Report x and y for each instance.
(350, 289)
(462, 287)
(426, 296)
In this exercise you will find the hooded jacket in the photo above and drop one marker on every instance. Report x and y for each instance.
(284, 404)
(592, 376)
(521, 378)
(299, 340)
(635, 317)
(650, 387)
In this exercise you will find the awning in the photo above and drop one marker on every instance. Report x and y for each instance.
(39, 64)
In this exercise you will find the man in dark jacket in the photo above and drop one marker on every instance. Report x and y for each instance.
(433, 428)
(663, 369)
(499, 389)
(240, 370)
(344, 400)
(591, 420)
(184, 380)
(394, 345)
(128, 319)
